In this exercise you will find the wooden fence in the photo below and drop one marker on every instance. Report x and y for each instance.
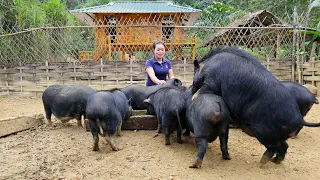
(34, 79)
(309, 73)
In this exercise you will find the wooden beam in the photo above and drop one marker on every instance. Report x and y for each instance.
(140, 122)
(13, 125)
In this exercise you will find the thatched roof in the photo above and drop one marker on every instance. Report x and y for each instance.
(245, 36)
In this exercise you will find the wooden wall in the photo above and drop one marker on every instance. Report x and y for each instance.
(34, 79)
(310, 73)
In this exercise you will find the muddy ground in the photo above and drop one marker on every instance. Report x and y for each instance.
(64, 151)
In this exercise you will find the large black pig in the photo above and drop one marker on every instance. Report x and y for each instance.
(138, 93)
(304, 98)
(66, 102)
(105, 112)
(208, 117)
(258, 102)
(170, 108)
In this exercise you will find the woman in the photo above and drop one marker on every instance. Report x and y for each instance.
(158, 67)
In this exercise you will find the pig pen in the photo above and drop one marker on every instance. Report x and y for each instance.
(64, 151)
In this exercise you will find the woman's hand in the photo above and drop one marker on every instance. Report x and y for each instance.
(161, 82)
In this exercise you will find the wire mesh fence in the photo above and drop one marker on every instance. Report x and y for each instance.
(123, 38)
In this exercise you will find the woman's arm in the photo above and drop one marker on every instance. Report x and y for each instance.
(153, 77)
(170, 74)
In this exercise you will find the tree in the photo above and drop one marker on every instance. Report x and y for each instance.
(56, 13)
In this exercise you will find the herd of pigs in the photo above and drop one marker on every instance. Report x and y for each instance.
(229, 86)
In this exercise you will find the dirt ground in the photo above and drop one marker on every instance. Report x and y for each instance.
(64, 151)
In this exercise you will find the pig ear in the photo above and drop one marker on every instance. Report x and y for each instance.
(147, 101)
(177, 82)
(196, 64)
(130, 101)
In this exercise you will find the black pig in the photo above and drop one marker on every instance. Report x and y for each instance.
(208, 117)
(105, 112)
(170, 108)
(304, 98)
(66, 102)
(258, 102)
(138, 93)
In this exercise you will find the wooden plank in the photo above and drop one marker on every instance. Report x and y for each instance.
(23, 83)
(141, 122)
(311, 78)
(13, 125)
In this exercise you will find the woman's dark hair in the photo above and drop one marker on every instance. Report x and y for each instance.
(155, 43)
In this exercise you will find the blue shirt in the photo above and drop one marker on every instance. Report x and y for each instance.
(161, 70)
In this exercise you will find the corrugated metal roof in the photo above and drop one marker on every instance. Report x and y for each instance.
(136, 7)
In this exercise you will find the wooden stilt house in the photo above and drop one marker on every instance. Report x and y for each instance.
(132, 26)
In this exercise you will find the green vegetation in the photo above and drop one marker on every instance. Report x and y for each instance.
(63, 43)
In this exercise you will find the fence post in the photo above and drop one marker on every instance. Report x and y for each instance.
(20, 72)
(7, 83)
(74, 70)
(312, 66)
(101, 70)
(299, 70)
(117, 74)
(294, 41)
(184, 69)
(130, 59)
(89, 73)
(47, 70)
(268, 63)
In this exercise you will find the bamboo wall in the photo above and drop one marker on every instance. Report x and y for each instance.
(310, 73)
(34, 79)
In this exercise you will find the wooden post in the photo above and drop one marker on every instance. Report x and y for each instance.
(7, 83)
(123, 55)
(20, 71)
(193, 50)
(268, 63)
(193, 53)
(294, 43)
(74, 70)
(278, 44)
(117, 74)
(299, 70)
(109, 48)
(312, 66)
(312, 58)
(101, 70)
(89, 73)
(130, 59)
(184, 69)
(47, 70)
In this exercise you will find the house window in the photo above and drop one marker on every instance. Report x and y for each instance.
(167, 32)
(111, 22)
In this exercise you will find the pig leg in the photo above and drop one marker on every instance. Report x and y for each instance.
(167, 134)
(86, 122)
(281, 152)
(223, 137)
(158, 128)
(48, 115)
(119, 133)
(268, 154)
(179, 133)
(110, 140)
(78, 118)
(202, 145)
(187, 132)
(95, 140)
